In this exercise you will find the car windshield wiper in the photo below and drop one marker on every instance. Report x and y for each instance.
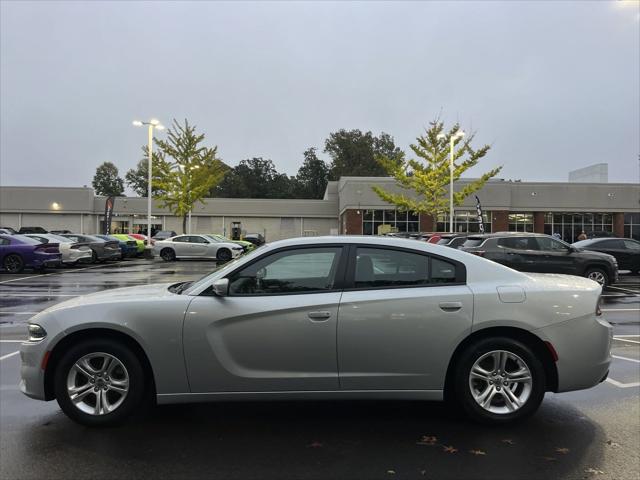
(182, 287)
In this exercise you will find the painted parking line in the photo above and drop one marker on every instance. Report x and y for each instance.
(620, 309)
(626, 290)
(56, 273)
(626, 358)
(622, 385)
(10, 355)
(626, 340)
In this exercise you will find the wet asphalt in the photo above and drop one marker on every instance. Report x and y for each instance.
(578, 435)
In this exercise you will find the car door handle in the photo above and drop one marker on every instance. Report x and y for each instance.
(319, 316)
(450, 306)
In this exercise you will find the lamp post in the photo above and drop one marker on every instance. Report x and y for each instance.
(153, 123)
(459, 134)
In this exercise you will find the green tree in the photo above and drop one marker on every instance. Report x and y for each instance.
(107, 182)
(354, 153)
(428, 177)
(186, 170)
(312, 177)
(137, 178)
(255, 178)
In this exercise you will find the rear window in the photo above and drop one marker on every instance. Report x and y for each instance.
(518, 243)
(473, 242)
(27, 240)
(443, 241)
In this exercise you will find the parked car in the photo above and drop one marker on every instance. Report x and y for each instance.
(322, 318)
(139, 236)
(59, 232)
(8, 230)
(256, 238)
(164, 234)
(72, 252)
(453, 240)
(101, 249)
(246, 246)
(18, 252)
(24, 230)
(125, 237)
(128, 248)
(535, 252)
(625, 250)
(196, 246)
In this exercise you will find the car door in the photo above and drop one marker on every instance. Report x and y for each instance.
(632, 249)
(401, 316)
(556, 256)
(181, 246)
(274, 331)
(520, 253)
(198, 246)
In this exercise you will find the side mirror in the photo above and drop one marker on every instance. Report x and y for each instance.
(221, 287)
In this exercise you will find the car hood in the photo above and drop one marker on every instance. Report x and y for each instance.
(118, 295)
(597, 254)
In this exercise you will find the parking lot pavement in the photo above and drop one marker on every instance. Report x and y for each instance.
(588, 434)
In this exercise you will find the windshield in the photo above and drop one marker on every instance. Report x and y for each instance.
(27, 240)
(473, 242)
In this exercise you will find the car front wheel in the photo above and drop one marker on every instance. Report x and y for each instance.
(597, 275)
(223, 255)
(499, 380)
(167, 254)
(99, 382)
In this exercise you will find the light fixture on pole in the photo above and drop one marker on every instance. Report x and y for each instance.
(153, 123)
(459, 134)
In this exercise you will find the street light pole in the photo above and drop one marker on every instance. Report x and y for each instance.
(153, 123)
(452, 140)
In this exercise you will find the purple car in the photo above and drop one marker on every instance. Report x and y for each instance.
(18, 252)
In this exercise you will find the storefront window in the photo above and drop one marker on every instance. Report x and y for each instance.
(632, 225)
(397, 221)
(521, 222)
(568, 226)
(464, 222)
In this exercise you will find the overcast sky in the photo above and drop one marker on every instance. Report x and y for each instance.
(553, 86)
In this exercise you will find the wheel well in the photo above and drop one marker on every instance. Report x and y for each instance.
(93, 333)
(223, 249)
(532, 341)
(600, 266)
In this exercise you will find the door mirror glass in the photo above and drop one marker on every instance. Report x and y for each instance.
(221, 287)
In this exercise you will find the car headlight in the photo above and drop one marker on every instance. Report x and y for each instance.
(36, 332)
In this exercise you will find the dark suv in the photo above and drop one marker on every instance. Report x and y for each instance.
(531, 252)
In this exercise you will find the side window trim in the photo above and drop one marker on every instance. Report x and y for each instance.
(461, 270)
(338, 284)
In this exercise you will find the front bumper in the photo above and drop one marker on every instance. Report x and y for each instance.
(583, 345)
(31, 372)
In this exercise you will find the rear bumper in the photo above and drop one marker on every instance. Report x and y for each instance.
(584, 351)
(45, 260)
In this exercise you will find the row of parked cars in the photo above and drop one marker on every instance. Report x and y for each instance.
(37, 249)
(599, 259)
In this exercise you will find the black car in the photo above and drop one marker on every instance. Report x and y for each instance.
(453, 240)
(164, 234)
(8, 230)
(24, 230)
(256, 238)
(533, 252)
(626, 250)
(101, 249)
(60, 232)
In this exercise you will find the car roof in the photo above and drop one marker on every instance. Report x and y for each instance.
(507, 234)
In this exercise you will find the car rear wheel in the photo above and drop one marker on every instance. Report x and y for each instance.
(223, 255)
(13, 263)
(597, 275)
(499, 380)
(99, 382)
(167, 254)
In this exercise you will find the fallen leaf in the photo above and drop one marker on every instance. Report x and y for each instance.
(595, 471)
(477, 452)
(315, 445)
(391, 472)
(508, 441)
(549, 459)
(427, 440)
(562, 450)
(450, 449)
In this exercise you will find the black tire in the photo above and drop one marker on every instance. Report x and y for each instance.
(94, 256)
(462, 385)
(167, 254)
(13, 263)
(223, 255)
(595, 273)
(136, 376)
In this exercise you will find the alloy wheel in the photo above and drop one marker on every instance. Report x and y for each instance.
(500, 382)
(597, 276)
(97, 383)
(13, 264)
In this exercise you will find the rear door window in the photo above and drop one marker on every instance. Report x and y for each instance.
(518, 243)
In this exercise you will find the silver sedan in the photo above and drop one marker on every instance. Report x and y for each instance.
(196, 246)
(325, 318)
(72, 252)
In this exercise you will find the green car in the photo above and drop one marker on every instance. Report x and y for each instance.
(247, 246)
(126, 238)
